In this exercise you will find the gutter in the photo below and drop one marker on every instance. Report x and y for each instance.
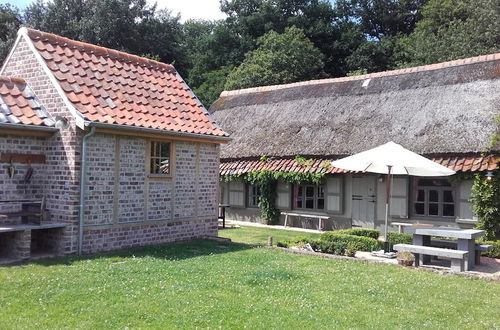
(222, 139)
(29, 127)
(83, 168)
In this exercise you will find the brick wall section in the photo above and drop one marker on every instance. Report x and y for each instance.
(63, 148)
(207, 186)
(132, 203)
(100, 179)
(193, 186)
(185, 180)
(107, 239)
(16, 187)
(160, 199)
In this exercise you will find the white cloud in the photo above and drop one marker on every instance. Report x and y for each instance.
(198, 9)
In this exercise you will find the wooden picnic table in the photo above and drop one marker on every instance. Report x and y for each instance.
(465, 240)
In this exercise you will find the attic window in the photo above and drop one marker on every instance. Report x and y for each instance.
(160, 158)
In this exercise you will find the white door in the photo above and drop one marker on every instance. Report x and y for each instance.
(363, 200)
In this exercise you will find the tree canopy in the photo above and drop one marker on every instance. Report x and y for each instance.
(351, 36)
(278, 59)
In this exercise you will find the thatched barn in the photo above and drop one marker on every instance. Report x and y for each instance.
(447, 112)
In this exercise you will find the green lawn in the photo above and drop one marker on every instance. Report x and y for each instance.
(257, 235)
(205, 284)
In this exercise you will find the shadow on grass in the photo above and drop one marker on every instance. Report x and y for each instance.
(168, 251)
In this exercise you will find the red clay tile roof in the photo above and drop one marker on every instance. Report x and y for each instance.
(108, 86)
(456, 163)
(18, 104)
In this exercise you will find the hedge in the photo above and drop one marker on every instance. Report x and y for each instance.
(372, 233)
(343, 241)
(495, 253)
(398, 238)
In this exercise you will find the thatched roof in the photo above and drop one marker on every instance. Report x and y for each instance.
(443, 108)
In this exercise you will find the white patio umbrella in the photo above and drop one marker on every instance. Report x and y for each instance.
(391, 159)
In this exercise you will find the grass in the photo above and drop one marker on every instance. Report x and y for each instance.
(259, 235)
(203, 284)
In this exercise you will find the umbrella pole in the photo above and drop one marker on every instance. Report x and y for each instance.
(387, 206)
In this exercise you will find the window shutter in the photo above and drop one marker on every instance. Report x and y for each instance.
(399, 200)
(334, 194)
(237, 193)
(283, 198)
(465, 207)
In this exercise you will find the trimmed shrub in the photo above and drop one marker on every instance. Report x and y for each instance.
(495, 253)
(372, 233)
(297, 241)
(284, 244)
(398, 238)
(359, 243)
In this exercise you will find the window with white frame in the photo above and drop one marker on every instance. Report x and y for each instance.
(433, 197)
(160, 158)
(309, 197)
(253, 196)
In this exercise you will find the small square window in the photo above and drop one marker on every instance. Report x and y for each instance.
(160, 158)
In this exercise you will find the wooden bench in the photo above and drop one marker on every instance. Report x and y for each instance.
(34, 209)
(457, 256)
(302, 215)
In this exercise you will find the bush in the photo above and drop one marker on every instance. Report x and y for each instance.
(359, 243)
(398, 238)
(297, 241)
(495, 253)
(372, 233)
(283, 244)
(405, 258)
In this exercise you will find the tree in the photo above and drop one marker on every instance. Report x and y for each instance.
(452, 29)
(10, 21)
(316, 18)
(382, 23)
(384, 17)
(278, 59)
(213, 85)
(210, 46)
(128, 25)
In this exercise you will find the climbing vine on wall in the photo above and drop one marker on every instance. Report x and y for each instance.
(485, 200)
(267, 180)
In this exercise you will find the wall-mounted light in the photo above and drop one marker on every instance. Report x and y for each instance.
(489, 175)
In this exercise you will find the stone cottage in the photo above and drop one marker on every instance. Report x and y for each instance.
(447, 112)
(148, 148)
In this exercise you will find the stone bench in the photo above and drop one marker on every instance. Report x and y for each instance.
(457, 256)
(481, 248)
(442, 243)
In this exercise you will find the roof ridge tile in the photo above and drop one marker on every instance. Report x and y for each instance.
(427, 67)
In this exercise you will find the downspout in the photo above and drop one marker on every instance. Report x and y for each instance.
(83, 168)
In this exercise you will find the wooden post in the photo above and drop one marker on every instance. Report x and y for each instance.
(270, 241)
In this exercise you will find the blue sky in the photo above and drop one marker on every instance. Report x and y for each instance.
(17, 3)
(203, 9)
